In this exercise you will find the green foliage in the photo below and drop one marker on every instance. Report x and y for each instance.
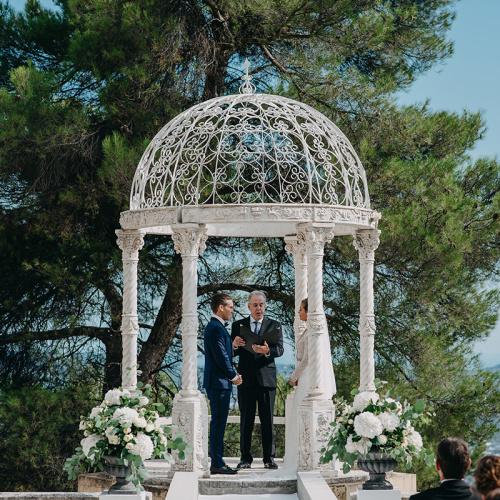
(38, 430)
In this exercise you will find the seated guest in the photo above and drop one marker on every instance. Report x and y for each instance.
(487, 475)
(453, 461)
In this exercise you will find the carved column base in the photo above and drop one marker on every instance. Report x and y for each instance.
(190, 414)
(314, 429)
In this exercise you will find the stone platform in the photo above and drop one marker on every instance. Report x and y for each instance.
(256, 480)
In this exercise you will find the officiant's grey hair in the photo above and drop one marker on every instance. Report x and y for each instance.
(256, 292)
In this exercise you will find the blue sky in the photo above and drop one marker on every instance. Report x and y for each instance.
(468, 80)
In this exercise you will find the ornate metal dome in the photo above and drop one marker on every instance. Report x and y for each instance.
(249, 148)
(253, 158)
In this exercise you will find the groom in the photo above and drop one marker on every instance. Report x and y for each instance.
(218, 376)
(258, 388)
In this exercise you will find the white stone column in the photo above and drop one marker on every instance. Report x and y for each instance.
(296, 249)
(130, 242)
(366, 242)
(190, 412)
(317, 411)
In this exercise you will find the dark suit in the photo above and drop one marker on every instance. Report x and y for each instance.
(457, 489)
(217, 381)
(257, 390)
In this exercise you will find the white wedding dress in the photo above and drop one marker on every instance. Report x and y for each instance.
(301, 373)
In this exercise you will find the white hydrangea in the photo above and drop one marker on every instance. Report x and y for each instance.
(88, 443)
(143, 400)
(125, 415)
(143, 446)
(363, 399)
(414, 439)
(351, 446)
(367, 425)
(113, 396)
(140, 422)
(95, 411)
(390, 421)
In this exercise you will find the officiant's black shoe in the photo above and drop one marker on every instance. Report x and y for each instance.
(271, 464)
(244, 465)
(223, 470)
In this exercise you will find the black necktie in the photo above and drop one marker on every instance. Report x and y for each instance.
(257, 328)
(226, 324)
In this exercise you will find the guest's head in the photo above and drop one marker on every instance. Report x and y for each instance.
(304, 305)
(487, 474)
(453, 458)
(257, 304)
(493, 495)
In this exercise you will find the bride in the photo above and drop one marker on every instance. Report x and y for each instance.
(300, 380)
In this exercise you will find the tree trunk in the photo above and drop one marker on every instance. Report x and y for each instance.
(166, 325)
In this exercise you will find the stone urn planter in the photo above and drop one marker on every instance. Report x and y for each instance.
(120, 472)
(377, 464)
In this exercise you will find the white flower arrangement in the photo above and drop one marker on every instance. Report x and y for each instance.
(377, 423)
(126, 426)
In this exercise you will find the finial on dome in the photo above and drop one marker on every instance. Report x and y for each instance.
(247, 87)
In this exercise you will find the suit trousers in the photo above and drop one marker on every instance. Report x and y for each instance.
(248, 400)
(219, 409)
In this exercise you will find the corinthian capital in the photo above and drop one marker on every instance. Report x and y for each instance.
(314, 237)
(189, 241)
(296, 248)
(366, 243)
(130, 242)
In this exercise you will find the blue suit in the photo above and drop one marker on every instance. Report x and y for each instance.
(217, 382)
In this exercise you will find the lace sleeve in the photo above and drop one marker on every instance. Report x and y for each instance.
(304, 359)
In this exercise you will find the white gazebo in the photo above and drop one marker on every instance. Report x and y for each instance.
(250, 165)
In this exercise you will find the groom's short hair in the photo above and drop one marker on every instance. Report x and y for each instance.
(219, 299)
(453, 457)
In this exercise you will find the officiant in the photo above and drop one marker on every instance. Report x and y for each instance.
(258, 371)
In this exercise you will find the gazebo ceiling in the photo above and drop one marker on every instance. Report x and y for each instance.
(252, 158)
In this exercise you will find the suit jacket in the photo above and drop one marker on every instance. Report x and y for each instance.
(457, 489)
(258, 370)
(219, 370)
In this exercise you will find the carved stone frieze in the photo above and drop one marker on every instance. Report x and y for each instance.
(304, 459)
(366, 243)
(147, 218)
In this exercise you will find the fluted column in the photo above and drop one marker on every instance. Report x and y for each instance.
(316, 410)
(130, 242)
(366, 242)
(314, 237)
(297, 250)
(189, 242)
(190, 411)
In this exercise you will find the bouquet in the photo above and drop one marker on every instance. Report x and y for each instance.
(377, 423)
(126, 426)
